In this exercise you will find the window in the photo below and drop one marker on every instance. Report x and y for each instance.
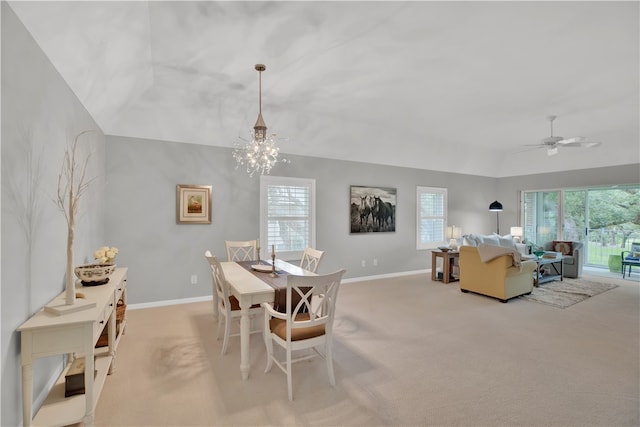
(287, 215)
(605, 219)
(431, 217)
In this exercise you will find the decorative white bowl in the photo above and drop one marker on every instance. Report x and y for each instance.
(94, 274)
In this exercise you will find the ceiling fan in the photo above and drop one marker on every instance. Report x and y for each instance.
(553, 143)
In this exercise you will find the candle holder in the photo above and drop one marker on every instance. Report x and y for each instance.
(273, 265)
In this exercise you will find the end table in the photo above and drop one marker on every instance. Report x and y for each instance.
(448, 260)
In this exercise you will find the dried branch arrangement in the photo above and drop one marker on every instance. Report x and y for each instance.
(72, 184)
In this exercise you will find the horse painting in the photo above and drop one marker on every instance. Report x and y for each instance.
(373, 209)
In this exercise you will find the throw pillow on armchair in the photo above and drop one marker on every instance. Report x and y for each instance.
(565, 248)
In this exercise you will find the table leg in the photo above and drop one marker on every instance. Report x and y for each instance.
(433, 266)
(89, 378)
(446, 268)
(27, 393)
(245, 333)
(112, 341)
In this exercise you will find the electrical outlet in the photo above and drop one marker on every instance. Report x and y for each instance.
(194, 279)
(364, 263)
(375, 262)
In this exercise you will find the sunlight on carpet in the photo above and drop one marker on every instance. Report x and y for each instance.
(563, 294)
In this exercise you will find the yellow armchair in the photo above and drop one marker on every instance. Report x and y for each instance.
(497, 278)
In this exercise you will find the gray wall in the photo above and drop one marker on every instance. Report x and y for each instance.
(163, 255)
(40, 115)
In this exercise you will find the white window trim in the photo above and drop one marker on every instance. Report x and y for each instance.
(431, 190)
(266, 181)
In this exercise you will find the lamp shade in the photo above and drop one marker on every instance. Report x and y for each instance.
(454, 232)
(495, 207)
(516, 231)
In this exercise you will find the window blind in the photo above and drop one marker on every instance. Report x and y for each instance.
(431, 216)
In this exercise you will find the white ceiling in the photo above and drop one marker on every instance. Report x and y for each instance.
(434, 85)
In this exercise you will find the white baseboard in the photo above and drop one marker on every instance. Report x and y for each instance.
(168, 302)
(209, 297)
(386, 276)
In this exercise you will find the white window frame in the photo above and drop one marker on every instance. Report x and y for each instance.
(267, 181)
(431, 244)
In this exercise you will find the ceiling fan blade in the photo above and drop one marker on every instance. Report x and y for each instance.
(590, 144)
(583, 144)
(572, 140)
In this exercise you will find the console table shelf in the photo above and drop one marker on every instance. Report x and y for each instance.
(46, 334)
(71, 410)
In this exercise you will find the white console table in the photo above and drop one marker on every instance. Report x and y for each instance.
(47, 334)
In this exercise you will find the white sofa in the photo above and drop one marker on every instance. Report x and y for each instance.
(506, 241)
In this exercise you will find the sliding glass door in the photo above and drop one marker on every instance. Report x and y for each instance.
(540, 216)
(575, 214)
(606, 220)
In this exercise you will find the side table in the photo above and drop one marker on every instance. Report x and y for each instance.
(448, 260)
(538, 279)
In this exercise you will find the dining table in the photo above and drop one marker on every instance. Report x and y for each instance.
(251, 283)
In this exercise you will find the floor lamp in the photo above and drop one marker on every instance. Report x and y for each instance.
(496, 207)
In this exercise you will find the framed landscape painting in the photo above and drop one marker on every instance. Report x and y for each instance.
(193, 204)
(373, 209)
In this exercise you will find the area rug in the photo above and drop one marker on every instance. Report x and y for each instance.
(563, 294)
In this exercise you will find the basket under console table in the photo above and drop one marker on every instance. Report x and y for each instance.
(46, 334)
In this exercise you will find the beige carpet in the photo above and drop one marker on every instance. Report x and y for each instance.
(565, 293)
(408, 352)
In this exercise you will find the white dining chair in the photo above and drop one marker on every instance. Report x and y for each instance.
(241, 250)
(306, 324)
(216, 315)
(310, 260)
(228, 306)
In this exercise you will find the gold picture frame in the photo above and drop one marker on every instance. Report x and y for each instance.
(193, 204)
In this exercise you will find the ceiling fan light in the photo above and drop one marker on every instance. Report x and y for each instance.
(552, 151)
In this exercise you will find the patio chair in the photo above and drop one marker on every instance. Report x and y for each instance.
(632, 259)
